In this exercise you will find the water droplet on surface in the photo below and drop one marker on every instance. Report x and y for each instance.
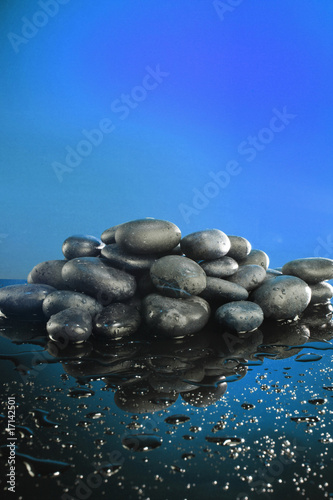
(225, 441)
(247, 406)
(141, 442)
(305, 358)
(176, 419)
(318, 401)
(80, 393)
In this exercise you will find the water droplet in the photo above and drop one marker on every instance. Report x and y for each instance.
(247, 406)
(318, 401)
(80, 393)
(41, 418)
(141, 442)
(225, 441)
(176, 419)
(305, 419)
(308, 357)
(41, 467)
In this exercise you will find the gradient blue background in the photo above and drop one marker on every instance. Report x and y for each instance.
(227, 72)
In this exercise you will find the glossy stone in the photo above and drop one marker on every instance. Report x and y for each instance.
(219, 290)
(109, 235)
(116, 320)
(220, 268)
(63, 299)
(24, 300)
(69, 325)
(205, 245)
(312, 269)
(256, 257)
(135, 264)
(321, 293)
(49, 273)
(249, 276)
(81, 245)
(239, 247)
(240, 316)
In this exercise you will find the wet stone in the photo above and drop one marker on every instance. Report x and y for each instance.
(148, 236)
(24, 300)
(116, 321)
(69, 326)
(240, 316)
(321, 293)
(283, 297)
(81, 245)
(272, 273)
(63, 299)
(239, 247)
(205, 245)
(312, 269)
(256, 257)
(175, 317)
(219, 290)
(220, 268)
(109, 235)
(49, 273)
(177, 276)
(249, 276)
(135, 264)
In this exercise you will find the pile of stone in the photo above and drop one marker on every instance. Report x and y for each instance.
(143, 272)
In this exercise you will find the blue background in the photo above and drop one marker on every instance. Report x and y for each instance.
(227, 71)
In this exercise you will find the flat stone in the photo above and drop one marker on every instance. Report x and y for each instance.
(48, 273)
(321, 293)
(312, 269)
(116, 320)
(148, 236)
(24, 300)
(219, 290)
(175, 317)
(97, 278)
(81, 245)
(256, 257)
(220, 268)
(71, 325)
(134, 264)
(283, 297)
(64, 299)
(249, 276)
(205, 245)
(239, 247)
(177, 276)
(240, 316)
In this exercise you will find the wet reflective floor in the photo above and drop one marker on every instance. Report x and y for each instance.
(215, 415)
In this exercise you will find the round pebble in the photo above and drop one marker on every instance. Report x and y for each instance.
(272, 273)
(175, 317)
(147, 236)
(283, 297)
(177, 276)
(81, 245)
(24, 300)
(63, 299)
(256, 257)
(96, 277)
(249, 276)
(116, 320)
(311, 269)
(239, 247)
(219, 290)
(109, 235)
(70, 325)
(205, 245)
(321, 293)
(220, 268)
(49, 273)
(134, 264)
(240, 316)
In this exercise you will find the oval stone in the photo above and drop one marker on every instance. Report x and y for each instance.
(116, 320)
(49, 273)
(81, 245)
(24, 300)
(135, 264)
(257, 257)
(249, 276)
(239, 247)
(148, 236)
(321, 293)
(311, 269)
(240, 316)
(220, 268)
(109, 235)
(219, 290)
(177, 276)
(70, 325)
(175, 317)
(96, 277)
(65, 299)
(272, 273)
(205, 245)
(283, 297)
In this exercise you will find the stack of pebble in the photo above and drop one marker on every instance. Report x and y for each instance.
(143, 271)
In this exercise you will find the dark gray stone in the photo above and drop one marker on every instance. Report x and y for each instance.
(24, 300)
(175, 317)
(240, 316)
(272, 273)
(218, 290)
(116, 320)
(177, 276)
(220, 268)
(135, 264)
(283, 297)
(96, 277)
(321, 293)
(71, 325)
(249, 276)
(109, 235)
(205, 245)
(239, 247)
(312, 269)
(256, 257)
(81, 245)
(64, 299)
(148, 236)
(49, 273)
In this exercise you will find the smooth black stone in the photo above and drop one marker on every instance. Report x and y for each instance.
(64, 299)
(239, 247)
(135, 264)
(240, 316)
(249, 276)
(321, 293)
(219, 290)
(312, 269)
(283, 297)
(96, 277)
(71, 325)
(175, 317)
(81, 245)
(109, 235)
(257, 257)
(49, 273)
(116, 321)
(177, 276)
(205, 245)
(148, 236)
(24, 300)
(220, 268)
(145, 285)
